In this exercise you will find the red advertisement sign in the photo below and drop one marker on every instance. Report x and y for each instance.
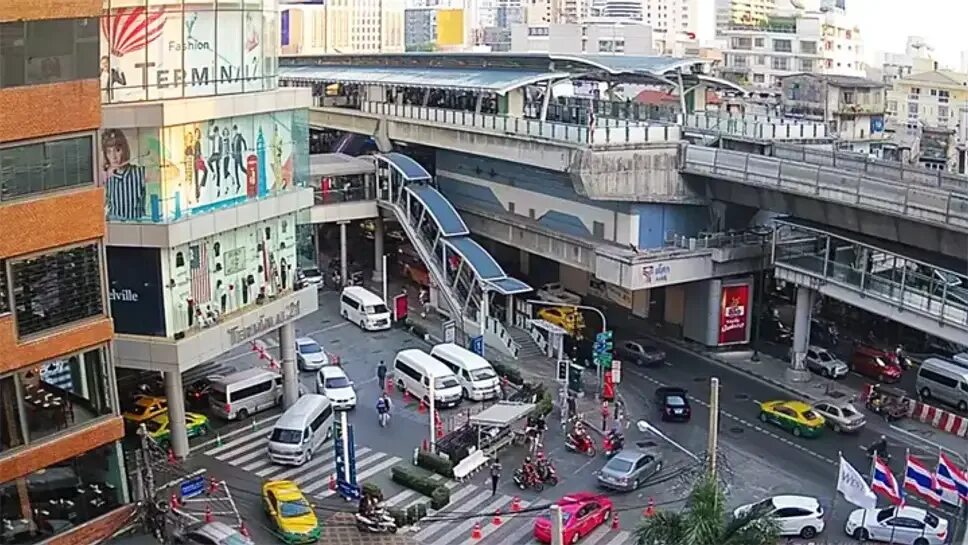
(734, 314)
(400, 307)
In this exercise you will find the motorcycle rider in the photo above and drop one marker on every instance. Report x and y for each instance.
(878, 448)
(529, 472)
(615, 436)
(578, 434)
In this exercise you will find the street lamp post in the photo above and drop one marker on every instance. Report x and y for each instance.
(433, 407)
(645, 427)
(713, 447)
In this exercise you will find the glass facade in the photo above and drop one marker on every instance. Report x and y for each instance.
(167, 49)
(54, 397)
(48, 165)
(48, 51)
(62, 496)
(159, 175)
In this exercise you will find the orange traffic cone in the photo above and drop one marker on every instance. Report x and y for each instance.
(174, 500)
(171, 456)
(650, 508)
(332, 481)
(476, 531)
(497, 518)
(615, 521)
(422, 408)
(515, 504)
(425, 445)
(243, 530)
(406, 397)
(388, 389)
(208, 514)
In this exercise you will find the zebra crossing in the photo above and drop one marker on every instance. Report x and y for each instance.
(248, 452)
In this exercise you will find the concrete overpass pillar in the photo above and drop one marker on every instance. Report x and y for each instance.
(290, 375)
(509, 314)
(801, 335)
(176, 413)
(515, 103)
(378, 233)
(343, 265)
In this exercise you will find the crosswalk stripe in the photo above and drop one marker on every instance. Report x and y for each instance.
(256, 464)
(623, 537)
(467, 507)
(360, 462)
(318, 458)
(317, 461)
(465, 527)
(598, 534)
(491, 529)
(256, 452)
(401, 496)
(369, 472)
(236, 442)
(454, 498)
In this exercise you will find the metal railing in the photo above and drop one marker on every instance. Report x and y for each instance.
(706, 241)
(352, 190)
(920, 203)
(604, 132)
(757, 127)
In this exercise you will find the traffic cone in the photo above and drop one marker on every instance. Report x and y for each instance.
(243, 530)
(650, 508)
(388, 389)
(332, 481)
(218, 439)
(171, 457)
(422, 408)
(440, 433)
(615, 521)
(208, 514)
(515, 504)
(174, 501)
(425, 445)
(497, 518)
(476, 531)
(212, 485)
(406, 397)
(253, 425)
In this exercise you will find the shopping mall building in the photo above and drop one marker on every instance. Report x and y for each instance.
(151, 172)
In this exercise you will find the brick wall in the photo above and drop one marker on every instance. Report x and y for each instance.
(49, 221)
(66, 340)
(43, 454)
(33, 111)
(94, 531)
(15, 10)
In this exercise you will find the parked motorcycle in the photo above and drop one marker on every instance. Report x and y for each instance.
(613, 444)
(378, 521)
(527, 481)
(583, 444)
(548, 473)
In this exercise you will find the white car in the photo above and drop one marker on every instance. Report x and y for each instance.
(901, 525)
(332, 382)
(555, 293)
(309, 355)
(822, 362)
(311, 276)
(795, 515)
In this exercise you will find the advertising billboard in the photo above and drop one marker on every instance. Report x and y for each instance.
(176, 49)
(450, 27)
(135, 290)
(734, 314)
(162, 174)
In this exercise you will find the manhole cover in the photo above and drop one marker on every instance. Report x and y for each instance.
(737, 430)
(742, 397)
(645, 444)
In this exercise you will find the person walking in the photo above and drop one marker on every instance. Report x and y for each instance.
(495, 475)
(381, 375)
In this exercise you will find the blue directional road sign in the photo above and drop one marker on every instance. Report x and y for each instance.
(192, 487)
(477, 345)
(348, 488)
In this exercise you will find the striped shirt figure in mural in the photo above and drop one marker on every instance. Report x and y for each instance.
(201, 284)
(124, 183)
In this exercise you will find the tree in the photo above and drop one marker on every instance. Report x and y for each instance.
(707, 521)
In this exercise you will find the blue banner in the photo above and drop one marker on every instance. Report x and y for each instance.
(192, 487)
(477, 345)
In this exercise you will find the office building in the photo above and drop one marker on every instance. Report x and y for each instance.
(742, 13)
(59, 412)
(434, 29)
(342, 27)
(936, 99)
(591, 38)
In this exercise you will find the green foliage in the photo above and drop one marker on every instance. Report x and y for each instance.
(512, 373)
(438, 464)
(372, 490)
(399, 516)
(707, 521)
(440, 498)
(406, 476)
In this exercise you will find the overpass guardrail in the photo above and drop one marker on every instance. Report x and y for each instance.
(754, 127)
(857, 189)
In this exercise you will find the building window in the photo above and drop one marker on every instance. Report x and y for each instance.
(783, 46)
(912, 110)
(48, 51)
(781, 63)
(848, 97)
(742, 43)
(758, 42)
(759, 78)
(943, 113)
(55, 396)
(62, 496)
(4, 293)
(808, 48)
(48, 165)
(58, 288)
(807, 65)
(598, 229)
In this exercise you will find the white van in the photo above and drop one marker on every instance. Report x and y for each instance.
(412, 370)
(244, 393)
(477, 378)
(365, 308)
(301, 430)
(945, 381)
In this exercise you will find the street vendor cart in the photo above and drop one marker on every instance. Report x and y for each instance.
(496, 427)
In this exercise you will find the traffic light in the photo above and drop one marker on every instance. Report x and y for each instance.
(602, 349)
(563, 370)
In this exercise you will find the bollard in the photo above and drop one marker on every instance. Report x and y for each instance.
(615, 521)
(243, 530)
(422, 408)
(253, 426)
(174, 501)
(332, 481)
(218, 439)
(171, 456)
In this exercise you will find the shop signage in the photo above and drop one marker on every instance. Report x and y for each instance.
(266, 322)
(135, 290)
(655, 273)
(734, 315)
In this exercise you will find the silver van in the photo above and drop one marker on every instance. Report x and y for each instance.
(244, 393)
(301, 430)
(945, 381)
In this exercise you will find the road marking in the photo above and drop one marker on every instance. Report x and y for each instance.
(620, 538)
(518, 534)
(401, 496)
(597, 534)
(289, 473)
(258, 445)
(454, 498)
(463, 527)
(233, 433)
(327, 328)
(491, 529)
(369, 472)
(331, 467)
(923, 440)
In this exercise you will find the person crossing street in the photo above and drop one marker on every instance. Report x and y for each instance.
(495, 475)
(381, 375)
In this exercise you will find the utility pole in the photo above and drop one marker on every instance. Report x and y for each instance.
(557, 526)
(433, 409)
(713, 446)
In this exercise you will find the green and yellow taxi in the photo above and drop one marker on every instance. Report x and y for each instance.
(797, 417)
(159, 428)
(290, 512)
(145, 408)
(567, 318)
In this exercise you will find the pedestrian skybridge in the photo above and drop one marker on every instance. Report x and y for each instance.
(463, 271)
(897, 282)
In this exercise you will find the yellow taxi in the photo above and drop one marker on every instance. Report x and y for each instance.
(145, 408)
(797, 417)
(569, 319)
(159, 429)
(290, 512)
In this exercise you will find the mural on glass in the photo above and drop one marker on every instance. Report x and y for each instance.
(162, 174)
(175, 51)
(230, 271)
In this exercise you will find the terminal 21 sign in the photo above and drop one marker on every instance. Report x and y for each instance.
(164, 52)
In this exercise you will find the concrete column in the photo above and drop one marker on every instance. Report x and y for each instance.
(319, 246)
(343, 265)
(801, 335)
(378, 233)
(509, 319)
(176, 413)
(515, 101)
(290, 374)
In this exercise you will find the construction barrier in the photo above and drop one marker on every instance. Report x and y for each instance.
(939, 419)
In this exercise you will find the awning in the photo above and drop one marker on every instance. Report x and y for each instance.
(411, 170)
(338, 164)
(443, 213)
(487, 269)
(502, 414)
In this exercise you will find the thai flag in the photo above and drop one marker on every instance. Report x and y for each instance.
(920, 480)
(951, 477)
(885, 484)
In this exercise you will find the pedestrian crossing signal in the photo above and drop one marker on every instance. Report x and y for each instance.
(562, 370)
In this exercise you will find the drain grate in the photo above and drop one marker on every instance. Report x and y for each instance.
(645, 444)
(737, 430)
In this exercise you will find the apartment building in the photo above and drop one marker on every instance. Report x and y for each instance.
(590, 38)
(935, 99)
(742, 12)
(821, 42)
(59, 411)
(341, 27)
(852, 108)
(205, 161)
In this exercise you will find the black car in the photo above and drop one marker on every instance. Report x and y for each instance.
(196, 395)
(639, 353)
(673, 404)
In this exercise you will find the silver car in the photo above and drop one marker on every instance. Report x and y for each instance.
(822, 362)
(629, 469)
(840, 415)
(208, 533)
(309, 355)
